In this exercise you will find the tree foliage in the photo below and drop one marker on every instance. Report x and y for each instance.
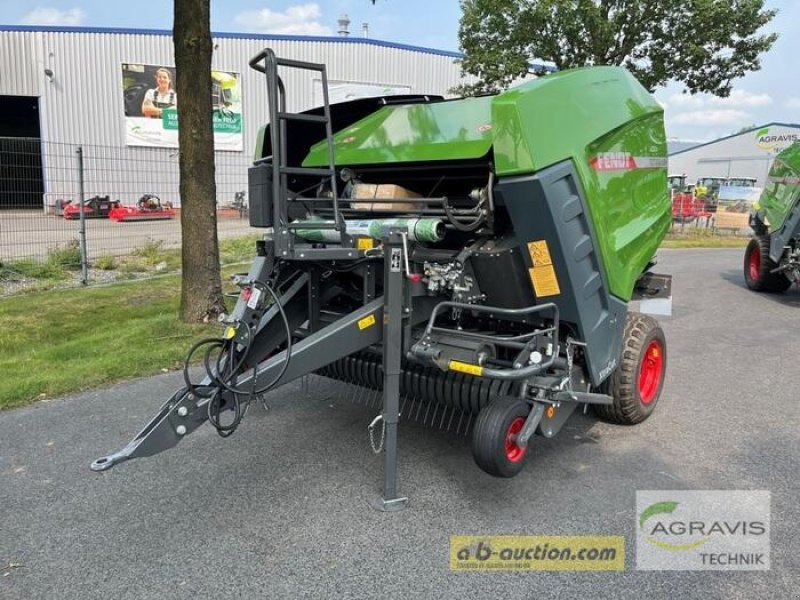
(705, 44)
(201, 287)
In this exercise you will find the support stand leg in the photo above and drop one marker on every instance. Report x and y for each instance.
(392, 348)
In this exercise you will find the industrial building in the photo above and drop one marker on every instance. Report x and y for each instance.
(746, 154)
(61, 87)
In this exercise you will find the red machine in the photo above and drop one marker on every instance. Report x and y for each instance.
(148, 208)
(93, 208)
(686, 208)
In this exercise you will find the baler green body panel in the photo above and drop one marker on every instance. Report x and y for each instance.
(600, 118)
(782, 191)
(456, 130)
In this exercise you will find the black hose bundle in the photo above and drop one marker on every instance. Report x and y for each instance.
(226, 368)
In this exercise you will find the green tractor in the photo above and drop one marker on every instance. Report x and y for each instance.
(772, 258)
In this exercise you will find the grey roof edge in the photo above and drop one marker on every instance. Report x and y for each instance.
(733, 135)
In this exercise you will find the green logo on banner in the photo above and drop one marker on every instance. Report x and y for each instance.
(169, 118)
(223, 122)
(227, 122)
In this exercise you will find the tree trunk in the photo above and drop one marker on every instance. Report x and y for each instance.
(201, 289)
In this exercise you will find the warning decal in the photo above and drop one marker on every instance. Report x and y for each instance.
(544, 281)
(540, 253)
(543, 275)
(462, 367)
(367, 321)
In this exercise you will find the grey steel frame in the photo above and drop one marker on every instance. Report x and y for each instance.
(278, 116)
(184, 411)
(523, 343)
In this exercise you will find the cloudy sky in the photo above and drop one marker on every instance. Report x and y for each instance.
(769, 95)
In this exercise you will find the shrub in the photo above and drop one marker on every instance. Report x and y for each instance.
(67, 257)
(151, 251)
(106, 262)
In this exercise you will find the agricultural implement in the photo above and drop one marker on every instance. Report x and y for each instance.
(473, 256)
(97, 207)
(148, 208)
(686, 207)
(772, 258)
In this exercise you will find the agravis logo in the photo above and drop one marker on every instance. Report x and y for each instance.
(703, 529)
(767, 141)
(677, 534)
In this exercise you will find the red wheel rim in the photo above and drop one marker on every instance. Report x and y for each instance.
(754, 264)
(513, 452)
(650, 371)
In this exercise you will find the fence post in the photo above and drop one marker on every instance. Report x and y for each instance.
(82, 227)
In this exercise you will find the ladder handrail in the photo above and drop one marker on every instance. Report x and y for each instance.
(278, 116)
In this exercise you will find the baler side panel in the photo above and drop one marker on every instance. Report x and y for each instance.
(782, 190)
(624, 174)
(611, 127)
(551, 207)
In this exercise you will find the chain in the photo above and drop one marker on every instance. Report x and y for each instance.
(569, 366)
(377, 448)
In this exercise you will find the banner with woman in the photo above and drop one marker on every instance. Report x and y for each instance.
(152, 109)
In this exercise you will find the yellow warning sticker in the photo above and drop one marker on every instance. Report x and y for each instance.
(365, 243)
(367, 321)
(467, 368)
(545, 282)
(540, 253)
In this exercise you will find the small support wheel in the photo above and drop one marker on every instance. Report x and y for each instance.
(758, 268)
(637, 381)
(493, 438)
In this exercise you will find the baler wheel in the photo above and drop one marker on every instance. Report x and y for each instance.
(637, 381)
(493, 438)
(757, 267)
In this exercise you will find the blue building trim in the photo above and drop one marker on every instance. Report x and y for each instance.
(235, 36)
(251, 36)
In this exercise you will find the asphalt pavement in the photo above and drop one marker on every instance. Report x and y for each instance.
(281, 509)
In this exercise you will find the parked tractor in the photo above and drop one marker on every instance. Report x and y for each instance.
(467, 257)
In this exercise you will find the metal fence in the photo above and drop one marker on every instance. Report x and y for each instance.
(713, 213)
(42, 185)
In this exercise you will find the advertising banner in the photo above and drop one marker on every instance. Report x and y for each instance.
(152, 107)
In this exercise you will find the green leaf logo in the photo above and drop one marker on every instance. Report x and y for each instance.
(761, 132)
(659, 508)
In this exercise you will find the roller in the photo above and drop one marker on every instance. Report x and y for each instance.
(426, 385)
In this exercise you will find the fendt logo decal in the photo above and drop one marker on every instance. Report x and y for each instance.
(624, 161)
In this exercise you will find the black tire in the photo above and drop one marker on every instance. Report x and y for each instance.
(491, 447)
(758, 266)
(637, 381)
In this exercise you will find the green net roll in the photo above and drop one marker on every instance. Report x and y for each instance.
(419, 230)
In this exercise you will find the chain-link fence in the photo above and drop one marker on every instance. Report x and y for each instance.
(130, 204)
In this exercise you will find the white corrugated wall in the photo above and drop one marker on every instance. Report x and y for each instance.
(21, 64)
(83, 102)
